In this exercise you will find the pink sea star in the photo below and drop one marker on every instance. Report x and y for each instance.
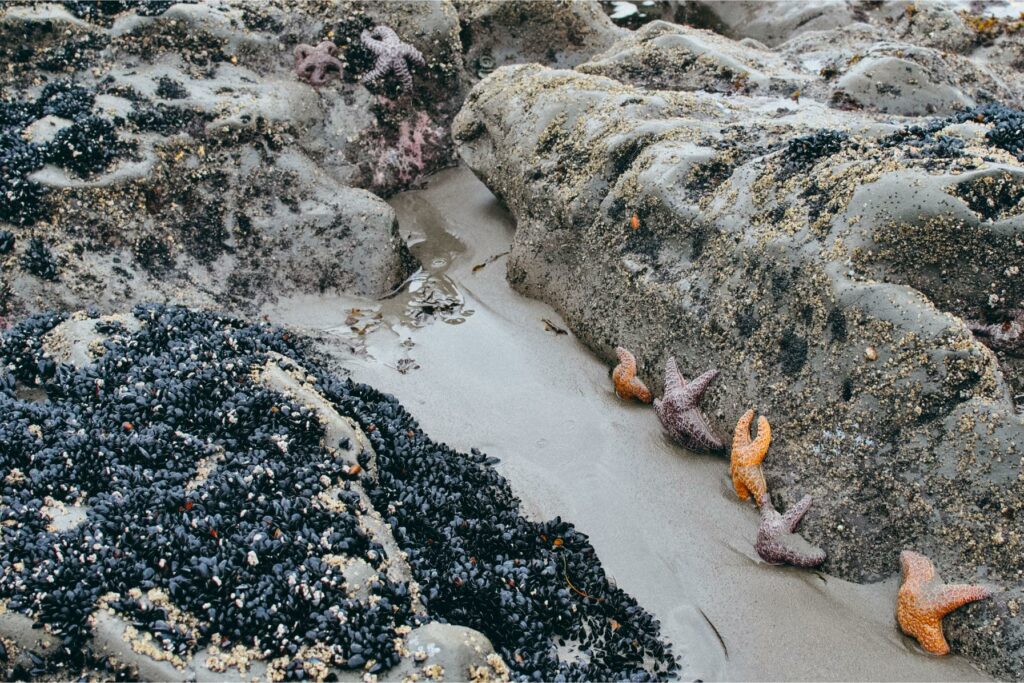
(776, 541)
(315, 65)
(392, 55)
(679, 409)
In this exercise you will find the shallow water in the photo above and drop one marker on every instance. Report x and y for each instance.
(664, 521)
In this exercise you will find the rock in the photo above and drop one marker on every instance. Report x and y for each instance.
(45, 129)
(777, 250)
(78, 342)
(774, 23)
(848, 68)
(448, 652)
(666, 56)
(219, 178)
(563, 34)
(342, 436)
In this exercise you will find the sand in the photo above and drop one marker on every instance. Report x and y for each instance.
(664, 521)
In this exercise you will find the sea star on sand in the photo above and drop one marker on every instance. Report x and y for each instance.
(1006, 336)
(627, 384)
(679, 409)
(777, 542)
(315, 65)
(745, 462)
(392, 55)
(923, 600)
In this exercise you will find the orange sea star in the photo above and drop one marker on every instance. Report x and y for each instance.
(627, 384)
(923, 600)
(745, 462)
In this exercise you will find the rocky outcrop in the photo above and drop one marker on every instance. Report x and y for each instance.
(559, 33)
(848, 68)
(824, 260)
(170, 152)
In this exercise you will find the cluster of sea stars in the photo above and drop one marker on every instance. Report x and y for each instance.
(316, 65)
(923, 599)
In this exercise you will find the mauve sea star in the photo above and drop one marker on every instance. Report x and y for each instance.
(315, 65)
(392, 55)
(745, 462)
(923, 600)
(777, 542)
(679, 409)
(627, 384)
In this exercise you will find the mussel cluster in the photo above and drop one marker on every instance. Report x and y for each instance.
(205, 485)
(1006, 131)
(802, 152)
(87, 146)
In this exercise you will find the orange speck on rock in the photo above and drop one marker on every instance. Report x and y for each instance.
(634, 222)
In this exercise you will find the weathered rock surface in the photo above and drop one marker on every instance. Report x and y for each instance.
(559, 33)
(171, 153)
(825, 260)
(847, 67)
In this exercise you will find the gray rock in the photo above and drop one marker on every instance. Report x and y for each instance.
(247, 184)
(774, 23)
(848, 68)
(449, 652)
(828, 281)
(563, 34)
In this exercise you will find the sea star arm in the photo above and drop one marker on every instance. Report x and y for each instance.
(409, 52)
(957, 595)
(763, 439)
(377, 71)
(795, 514)
(372, 44)
(932, 639)
(695, 389)
(626, 359)
(673, 379)
(741, 489)
(916, 568)
(741, 437)
(754, 483)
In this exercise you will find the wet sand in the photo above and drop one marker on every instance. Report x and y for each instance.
(665, 521)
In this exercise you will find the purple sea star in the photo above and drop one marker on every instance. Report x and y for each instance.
(1006, 336)
(315, 65)
(776, 541)
(679, 410)
(392, 55)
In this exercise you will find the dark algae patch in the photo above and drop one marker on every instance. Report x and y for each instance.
(240, 550)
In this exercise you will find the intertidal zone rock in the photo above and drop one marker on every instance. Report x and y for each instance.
(825, 261)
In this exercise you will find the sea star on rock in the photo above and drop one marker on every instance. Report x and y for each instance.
(392, 55)
(627, 384)
(745, 462)
(316, 65)
(679, 410)
(777, 542)
(1006, 336)
(923, 601)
